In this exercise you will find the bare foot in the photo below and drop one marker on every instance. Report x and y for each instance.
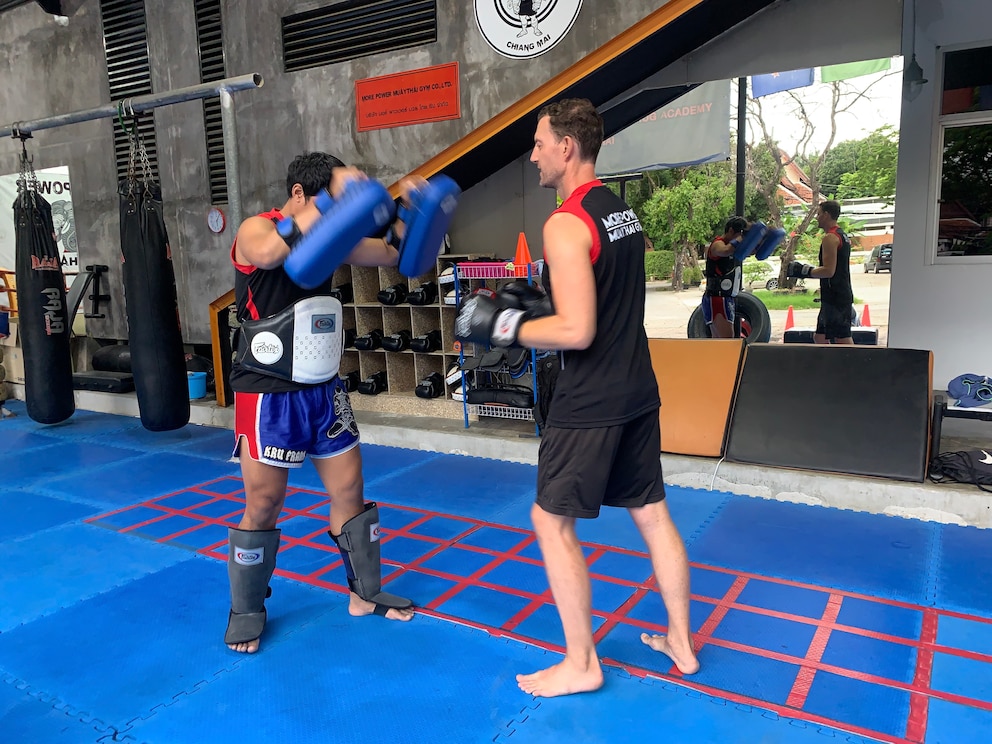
(245, 648)
(359, 607)
(683, 655)
(561, 679)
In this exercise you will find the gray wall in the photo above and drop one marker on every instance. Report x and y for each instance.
(52, 69)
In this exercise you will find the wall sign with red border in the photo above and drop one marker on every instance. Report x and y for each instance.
(412, 97)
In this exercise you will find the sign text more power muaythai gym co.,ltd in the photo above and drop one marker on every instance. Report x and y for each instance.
(412, 97)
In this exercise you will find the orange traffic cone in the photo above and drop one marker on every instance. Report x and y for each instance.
(865, 317)
(789, 320)
(521, 261)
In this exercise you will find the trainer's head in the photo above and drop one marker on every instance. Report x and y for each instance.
(828, 214)
(735, 226)
(570, 130)
(311, 172)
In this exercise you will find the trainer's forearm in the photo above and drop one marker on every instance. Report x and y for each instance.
(555, 332)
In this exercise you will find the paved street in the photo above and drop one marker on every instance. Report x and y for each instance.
(667, 312)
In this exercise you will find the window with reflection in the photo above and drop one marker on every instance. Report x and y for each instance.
(964, 201)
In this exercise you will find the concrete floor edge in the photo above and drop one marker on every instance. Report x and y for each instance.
(950, 504)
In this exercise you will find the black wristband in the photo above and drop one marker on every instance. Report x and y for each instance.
(289, 231)
(392, 238)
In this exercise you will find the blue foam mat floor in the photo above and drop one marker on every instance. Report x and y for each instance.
(811, 622)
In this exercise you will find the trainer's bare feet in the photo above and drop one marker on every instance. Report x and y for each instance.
(564, 678)
(245, 648)
(359, 607)
(680, 653)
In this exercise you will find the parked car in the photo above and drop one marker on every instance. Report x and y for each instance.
(880, 259)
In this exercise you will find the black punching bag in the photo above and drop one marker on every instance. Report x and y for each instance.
(44, 322)
(158, 361)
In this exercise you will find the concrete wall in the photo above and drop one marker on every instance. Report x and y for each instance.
(941, 307)
(52, 69)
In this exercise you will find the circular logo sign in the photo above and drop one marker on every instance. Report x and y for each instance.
(522, 29)
(266, 347)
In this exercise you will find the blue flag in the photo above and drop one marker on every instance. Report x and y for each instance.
(763, 85)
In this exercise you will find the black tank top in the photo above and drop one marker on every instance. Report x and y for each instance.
(612, 381)
(259, 293)
(837, 289)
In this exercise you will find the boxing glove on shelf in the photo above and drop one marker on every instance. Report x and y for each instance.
(430, 341)
(431, 386)
(343, 293)
(351, 381)
(373, 384)
(393, 295)
(399, 341)
(425, 294)
(370, 341)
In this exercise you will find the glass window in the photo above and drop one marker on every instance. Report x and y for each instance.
(967, 81)
(965, 199)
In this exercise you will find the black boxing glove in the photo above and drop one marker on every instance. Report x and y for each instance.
(349, 337)
(351, 381)
(431, 386)
(398, 341)
(430, 341)
(798, 270)
(373, 384)
(530, 298)
(371, 340)
(425, 294)
(482, 319)
(393, 295)
(343, 293)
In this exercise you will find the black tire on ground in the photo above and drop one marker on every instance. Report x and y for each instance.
(751, 309)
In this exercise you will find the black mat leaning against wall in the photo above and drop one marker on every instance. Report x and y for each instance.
(858, 410)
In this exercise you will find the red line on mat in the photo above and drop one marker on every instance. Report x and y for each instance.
(804, 680)
(919, 704)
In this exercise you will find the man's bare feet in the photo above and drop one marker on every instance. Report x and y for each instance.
(245, 648)
(359, 607)
(683, 655)
(562, 679)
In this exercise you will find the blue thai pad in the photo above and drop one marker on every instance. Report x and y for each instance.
(426, 221)
(773, 238)
(364, 208)
(750, 241)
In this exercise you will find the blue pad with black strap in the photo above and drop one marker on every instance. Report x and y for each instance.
(426, 221)
(773, 238)
(364, 208)
(750, 240)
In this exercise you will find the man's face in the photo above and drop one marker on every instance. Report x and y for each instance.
(547, 154)
(823, 219)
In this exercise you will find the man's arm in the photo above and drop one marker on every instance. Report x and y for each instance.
(567, 243)
(828, 265)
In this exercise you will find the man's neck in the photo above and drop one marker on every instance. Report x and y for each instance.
(578, 176)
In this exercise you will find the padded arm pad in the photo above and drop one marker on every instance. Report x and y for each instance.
(769, 243)
(750, 241)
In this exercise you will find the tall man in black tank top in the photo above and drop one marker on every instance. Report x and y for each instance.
(602, 441)
(833, 324)
(281, 422)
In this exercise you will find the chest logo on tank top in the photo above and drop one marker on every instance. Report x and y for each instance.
(522, 29)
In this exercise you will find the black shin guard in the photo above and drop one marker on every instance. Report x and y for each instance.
(251, 559)
(359, 547)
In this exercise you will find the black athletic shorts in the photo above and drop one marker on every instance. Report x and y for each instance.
(834, 321)
(579, 470)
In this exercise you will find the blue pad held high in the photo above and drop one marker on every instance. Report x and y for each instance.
(773, 237)
(750, 240)
(364, 208)
(426, 221)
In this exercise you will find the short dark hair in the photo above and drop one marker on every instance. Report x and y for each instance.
(832, 208)
(576, 118)
(312, 170)
(737, 224)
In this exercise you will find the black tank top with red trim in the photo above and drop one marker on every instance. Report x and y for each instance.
(716, 267)
(611, 382)
(259, 293)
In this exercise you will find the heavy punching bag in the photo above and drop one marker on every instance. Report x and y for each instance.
(158, 360)
(44, 316)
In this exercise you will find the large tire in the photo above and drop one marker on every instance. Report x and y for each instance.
(755, 321)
